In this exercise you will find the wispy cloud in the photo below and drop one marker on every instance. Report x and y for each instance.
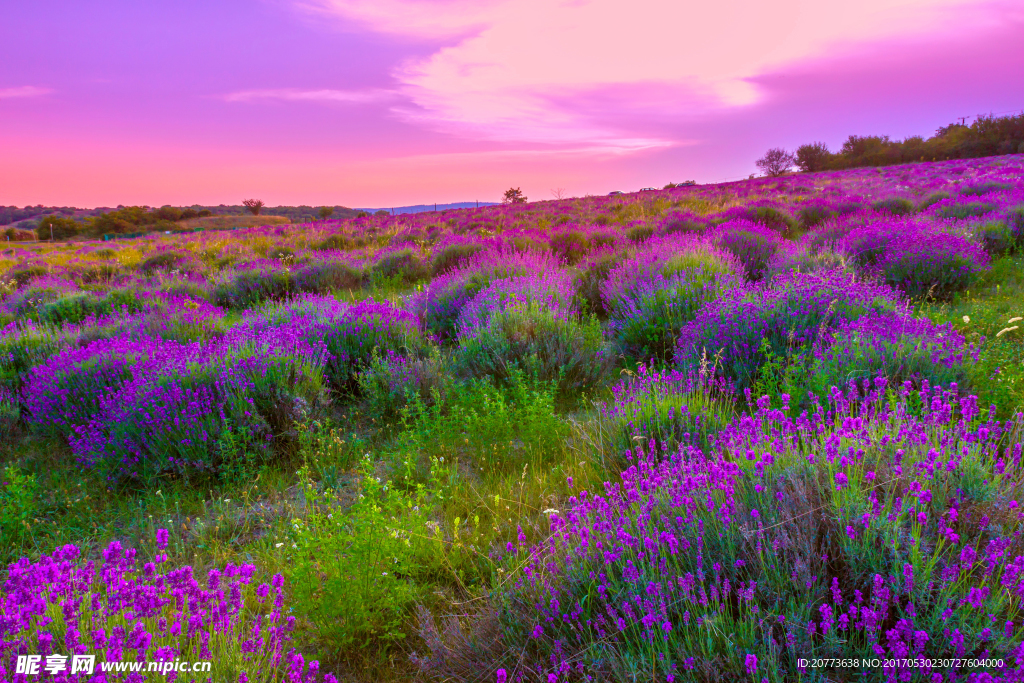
(23, 91)
(324, 95)
(531, 70)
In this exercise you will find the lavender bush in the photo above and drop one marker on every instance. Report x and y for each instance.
(122, 609)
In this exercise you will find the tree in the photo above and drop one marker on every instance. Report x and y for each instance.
(513, 195)
(253, 205)
(813, 157)
(775, 162)
(325, 212)
(61, 228)
(559, 193)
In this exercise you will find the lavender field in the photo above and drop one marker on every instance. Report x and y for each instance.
(706, 433)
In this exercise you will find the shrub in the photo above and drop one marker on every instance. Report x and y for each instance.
(202, 407)
(324, 277)
(890, 345)
(663, 409)
(747, 325)
(654, 293)
(256, 285)
(775, 218)
(534, 340)
(22, 274)
(441, 301)
(898, 206)
(1015, 222)
(803, 258)
(751, 243)
(391, 381)
(639, 233)
(681, 222)
(150, 612)
(552, 290)
(984, 188)
(404, 265)
(453, 256)
(337, 242)
(569, 247)
(738, 533)
(919, 258)
(997, 239)
(965, 211)
(933, 198)
(25, 302)
(162, 261)
(588, 278)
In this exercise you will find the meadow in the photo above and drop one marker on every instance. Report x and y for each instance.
(698, 434)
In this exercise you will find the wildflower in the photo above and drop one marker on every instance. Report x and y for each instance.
(751, 662)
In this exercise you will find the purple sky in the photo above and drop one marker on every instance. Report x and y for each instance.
(393, 102)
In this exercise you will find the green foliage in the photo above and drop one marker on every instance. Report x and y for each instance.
(813, 157)
(965, 211)
(669, 417)
(390, 381)
(19, 501)
(337, 242)
(405, 266)
(496, 430)
(587, 284)
(59, 227)
(998, 239)
(249, 288)
(646, 322)
(353, 571)
(639, 233)
(569, 247)
(898, 206)
(452, 257)
(933, 198)
(534, 340)
(774, 218)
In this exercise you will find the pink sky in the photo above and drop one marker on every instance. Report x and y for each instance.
(393, 102)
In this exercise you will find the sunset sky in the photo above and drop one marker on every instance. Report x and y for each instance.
(390, 102)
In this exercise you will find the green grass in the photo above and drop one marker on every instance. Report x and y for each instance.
(459, 480)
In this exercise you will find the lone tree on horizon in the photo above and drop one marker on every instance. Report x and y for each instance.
(775, 162)
(253, 205)
(325, 212)
(513, 195)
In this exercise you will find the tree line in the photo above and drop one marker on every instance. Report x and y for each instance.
(986, 136)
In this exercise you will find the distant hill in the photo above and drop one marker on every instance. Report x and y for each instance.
(30, 215)
(420, 208)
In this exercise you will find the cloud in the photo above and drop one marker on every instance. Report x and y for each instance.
(530, 71)
(23, 91)
(324, 95)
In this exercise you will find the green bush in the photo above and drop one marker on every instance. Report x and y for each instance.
(405, 266)
(324, 277)
(569, 247)
(933, 198)
(391, 381)
(453, 256)
(587, 284)
(774, 218)
(249, 288)
(965, 211)
(898, 206)
(668, 409)
(639, 233)
(534, 340)
(354, 571)
(997, 238)
(336, 243)
(162, 261)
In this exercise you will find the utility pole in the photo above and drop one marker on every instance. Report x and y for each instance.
(51, 231)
